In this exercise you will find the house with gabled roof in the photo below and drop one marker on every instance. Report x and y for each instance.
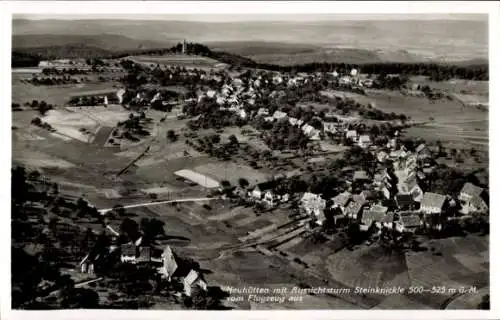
(128, 253)
(475, 205)
(364, 141)
(341, 200)
(329, 127)
(422, 152)
(279, 115)
(293, 121)
(263, 111)
(169, 263)
(311, 132)
(193, 280)
(432, 203)
(469, 191)
(382, 156)
(352, 135)
(360, 175)
(405, 202)
(409, 223)
(314, 204)
(397, 154)
(389, 219)
(374, 215)
(354, 208)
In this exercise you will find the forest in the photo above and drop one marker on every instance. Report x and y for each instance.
(30, 57)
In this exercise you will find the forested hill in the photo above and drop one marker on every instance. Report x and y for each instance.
(438, 71)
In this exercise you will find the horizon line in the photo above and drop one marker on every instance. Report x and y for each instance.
(223, 18)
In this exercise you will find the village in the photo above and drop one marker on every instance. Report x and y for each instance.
(312, 146)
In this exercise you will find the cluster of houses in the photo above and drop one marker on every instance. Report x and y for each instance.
(80, 64)
(137, 253)
(98, 97)
(393, 198)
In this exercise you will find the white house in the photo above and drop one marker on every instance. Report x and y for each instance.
(352, 135)
(341, 200)
(120, 95)
(374, 215)
(293, 121)
(364, 141)
(263, 111)
(279, 115)
(311, 132)
(329, 127)
(314, 204)
(211, 93)
(169, 264)
(345, 80)
(192, 280)
(242, 113)
(128, 253)
(470, 199)
(432, 203)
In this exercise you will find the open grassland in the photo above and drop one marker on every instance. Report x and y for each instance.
(368, 267)
(456, 85)
(176, 60)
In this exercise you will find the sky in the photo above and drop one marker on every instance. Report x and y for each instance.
(254, 17)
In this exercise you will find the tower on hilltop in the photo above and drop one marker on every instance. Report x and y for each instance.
(184, 47)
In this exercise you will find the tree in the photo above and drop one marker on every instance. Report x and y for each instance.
(233, 140)
(243, 182)
(171, 135)
(80, 298)
(130, 228)
(225, 184)
(152, 228)
(119, 209)
(485, 303)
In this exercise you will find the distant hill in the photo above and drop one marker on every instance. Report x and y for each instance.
(110, 42)
(63, 52)
(250, 48)
(431, 38)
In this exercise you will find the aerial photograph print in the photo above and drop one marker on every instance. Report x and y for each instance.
(250, 162)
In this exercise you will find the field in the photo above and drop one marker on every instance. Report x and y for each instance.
(468, 124)
(177, 60)
(198, 178)
(231, 172)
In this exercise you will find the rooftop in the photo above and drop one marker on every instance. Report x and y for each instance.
(433, 200)
(471, 190)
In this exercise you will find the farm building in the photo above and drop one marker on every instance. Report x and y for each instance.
(373, 216)
(352, 135)
(432, 203)
(169, 263)
(469, 191)
(471, 199)
(128, 253)
(193, 280)
(360, 175)
(313, 204)
(341, 200)
(409, 223)
(354, 208)
(329, 127)
(405, 202)
(364, 141)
